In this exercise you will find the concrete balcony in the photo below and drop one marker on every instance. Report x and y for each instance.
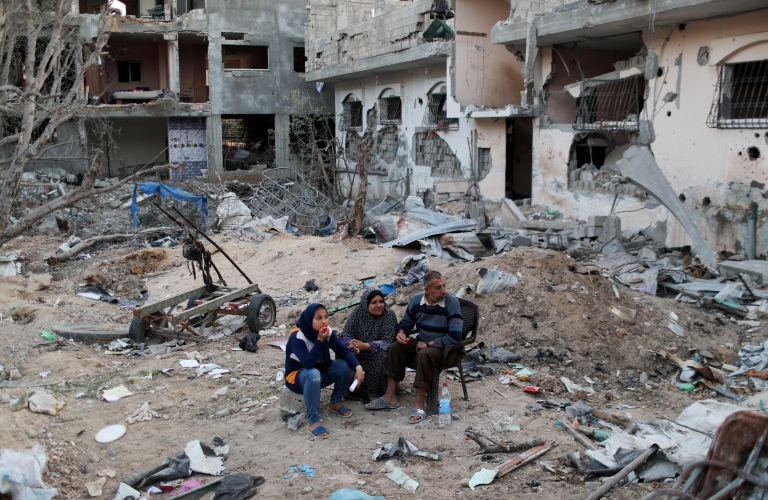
(575, 21)
(388, 42)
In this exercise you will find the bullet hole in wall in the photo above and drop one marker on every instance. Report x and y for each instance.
(681, 197)
(659, 72)
(681, 26)
(766, 137)
(757, 136)
(706, 201)
(740, 153)
(669, 113)
(753, 153)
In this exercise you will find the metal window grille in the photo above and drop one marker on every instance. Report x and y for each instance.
(353, 115)
(741, 96)
(611, 105)
(390, 111)
(435, 117)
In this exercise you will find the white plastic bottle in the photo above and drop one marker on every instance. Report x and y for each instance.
(444, 415)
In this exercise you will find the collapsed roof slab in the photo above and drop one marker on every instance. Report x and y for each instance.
(640, 168)
(575, 22)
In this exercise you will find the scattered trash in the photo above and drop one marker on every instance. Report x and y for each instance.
(47, 335)
(304, 468)
(348, 494)
(397, 476)
(42, 402)
(186, 486)
(249, 342)
(142, 414)
(21, 474)
(238, 487)
(200, 461)
(110, 433)
(116, 393)
(94, 487)
(486, 476)
(402, 448)
(125, 492)
(492, 281)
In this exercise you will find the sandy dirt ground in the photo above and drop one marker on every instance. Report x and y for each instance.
(576, 336)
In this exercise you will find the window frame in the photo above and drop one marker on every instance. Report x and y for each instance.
(130, 71)
(721, 112)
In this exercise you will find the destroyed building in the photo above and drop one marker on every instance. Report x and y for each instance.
(199, 82)
(655, 113)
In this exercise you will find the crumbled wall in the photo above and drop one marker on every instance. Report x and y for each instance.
(432, 151)
(520, 10)
(394, 31)
(387, 138)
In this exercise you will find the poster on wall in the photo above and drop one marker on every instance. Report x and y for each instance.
(187, 147)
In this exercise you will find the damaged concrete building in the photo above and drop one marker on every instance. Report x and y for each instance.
(203, 82)
(656, 112)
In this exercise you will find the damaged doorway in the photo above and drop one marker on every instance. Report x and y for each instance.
(248, 141)
(519, 174)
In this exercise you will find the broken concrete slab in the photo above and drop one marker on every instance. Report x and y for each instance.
(543, 225)
(511, 216)
(452, 227)
(755, 269)
(640, 168)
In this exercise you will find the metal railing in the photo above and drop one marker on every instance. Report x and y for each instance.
(435, 116)
(611, 105)
(741, 96)
(390, 110)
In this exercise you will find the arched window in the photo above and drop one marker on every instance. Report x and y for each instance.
(435, 116)
(353, 113)
(390, 108)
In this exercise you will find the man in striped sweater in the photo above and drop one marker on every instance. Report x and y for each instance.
(436, 317)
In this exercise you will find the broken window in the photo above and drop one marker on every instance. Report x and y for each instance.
(608, 105)
(245, 56)
(741, 96)
(299, 60)
(390, 110)
(435, 117)
(353, 114)
(128, 71)
(247, 140)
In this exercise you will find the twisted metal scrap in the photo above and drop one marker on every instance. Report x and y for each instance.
(283, 191)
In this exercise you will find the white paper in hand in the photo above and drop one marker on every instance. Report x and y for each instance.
(353, 386)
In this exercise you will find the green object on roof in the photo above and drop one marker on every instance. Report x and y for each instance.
(439, 29)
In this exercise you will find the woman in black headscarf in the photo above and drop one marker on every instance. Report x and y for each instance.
(370, 330)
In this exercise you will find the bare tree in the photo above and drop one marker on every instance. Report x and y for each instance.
(43, 62)
(313, 143)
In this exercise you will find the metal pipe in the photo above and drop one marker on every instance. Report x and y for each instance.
(752, 231)
(613, 481)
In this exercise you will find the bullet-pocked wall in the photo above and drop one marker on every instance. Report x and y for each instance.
(716, 171)
(412, 157)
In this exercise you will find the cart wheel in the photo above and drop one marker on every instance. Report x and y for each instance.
(261, 313)
(138, 330)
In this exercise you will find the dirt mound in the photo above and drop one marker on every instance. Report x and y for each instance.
(144, 261)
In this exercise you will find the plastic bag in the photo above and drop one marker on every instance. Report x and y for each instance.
(21, 474)
(248, 343)
(237, 487)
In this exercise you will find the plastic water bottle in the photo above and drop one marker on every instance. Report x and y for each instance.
(444, 415)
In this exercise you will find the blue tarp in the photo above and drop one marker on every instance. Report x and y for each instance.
(151, 188)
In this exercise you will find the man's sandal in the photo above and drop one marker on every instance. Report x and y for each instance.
(380, 404)
(319, 432)
(420, 414)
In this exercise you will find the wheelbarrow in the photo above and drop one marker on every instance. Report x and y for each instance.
(183, 316)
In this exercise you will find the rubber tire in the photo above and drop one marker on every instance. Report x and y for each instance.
(138, 330)
(254, 308)
(91, 333)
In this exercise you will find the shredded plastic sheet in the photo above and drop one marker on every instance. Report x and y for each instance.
(678, 444)
(151, 188)
(484, 476)
(21, 474)
(199, 462)
(495, 281)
